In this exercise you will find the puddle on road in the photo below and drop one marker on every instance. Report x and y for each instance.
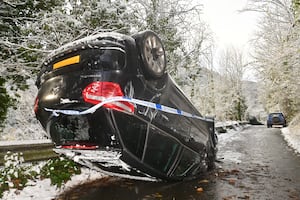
(110, 188)
(218, 184)
(240, 182)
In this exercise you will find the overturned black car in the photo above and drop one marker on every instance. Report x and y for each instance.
(107, 102)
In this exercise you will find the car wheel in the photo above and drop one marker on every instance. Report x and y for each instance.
(211, 159)
(152, 54)
(212, 153)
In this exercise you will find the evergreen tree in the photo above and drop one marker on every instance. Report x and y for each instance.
(14, 57)
(31, 29)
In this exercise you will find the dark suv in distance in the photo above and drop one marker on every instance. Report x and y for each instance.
(276, 120)
(107, 102)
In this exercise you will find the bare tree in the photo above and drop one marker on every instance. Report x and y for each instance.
(231, 101)
(277, 54)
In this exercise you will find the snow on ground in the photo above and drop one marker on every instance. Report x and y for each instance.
(229, 136)
(292, 136)
(292, 133)
(42, 189)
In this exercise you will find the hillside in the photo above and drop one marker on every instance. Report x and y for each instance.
(255, 107)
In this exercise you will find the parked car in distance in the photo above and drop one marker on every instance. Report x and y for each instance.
(276, 120)
(127, 138)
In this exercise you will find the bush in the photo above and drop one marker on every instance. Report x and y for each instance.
(5, 101)
(14, 174)
(59, 170)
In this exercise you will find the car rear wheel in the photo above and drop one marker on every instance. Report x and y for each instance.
(212, 153)
(211, 158)
(152, 54)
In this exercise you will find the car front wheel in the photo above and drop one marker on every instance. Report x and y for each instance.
(152, 54)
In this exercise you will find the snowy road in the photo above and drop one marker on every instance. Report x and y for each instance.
(256, 163)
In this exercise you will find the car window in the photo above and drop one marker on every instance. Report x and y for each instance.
(70, 128)
(133, 132)
(279, 115)
(189, 160)
(161, 150)
(176, 123)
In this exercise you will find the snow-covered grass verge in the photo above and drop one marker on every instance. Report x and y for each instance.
(43, 189)
(292, 137)
(292, 134)
(44, 180)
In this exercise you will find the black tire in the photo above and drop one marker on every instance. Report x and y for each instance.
(211, 158)
(152, 54)
(212, 153)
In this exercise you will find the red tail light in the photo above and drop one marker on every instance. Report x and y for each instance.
(36, 105)
(98, 91)
(81, 147)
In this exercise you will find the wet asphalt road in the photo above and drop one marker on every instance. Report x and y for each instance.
(255, 163)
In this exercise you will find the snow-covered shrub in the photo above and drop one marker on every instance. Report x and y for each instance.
(59, 170)
(14, 174)
(21, 123)
(5, 101)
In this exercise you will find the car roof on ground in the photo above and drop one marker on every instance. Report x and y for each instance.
(276, 113)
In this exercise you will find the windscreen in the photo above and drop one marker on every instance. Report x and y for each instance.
(93, 128)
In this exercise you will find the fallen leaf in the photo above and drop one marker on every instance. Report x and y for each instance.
(229, 197)
(204, 181)
(245, 197)
(231, 181)
(234, 171)
(157, 195)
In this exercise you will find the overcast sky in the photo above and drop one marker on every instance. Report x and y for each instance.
(231, 27)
